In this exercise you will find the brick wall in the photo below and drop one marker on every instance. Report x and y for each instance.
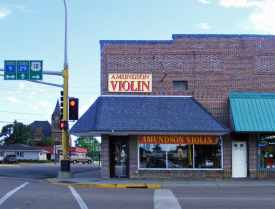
(213, 65)
(105, 156)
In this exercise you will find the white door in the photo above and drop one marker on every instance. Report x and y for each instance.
(239, 160)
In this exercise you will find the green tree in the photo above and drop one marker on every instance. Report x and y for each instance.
(46, 142)
(90, 143)
(19, 133)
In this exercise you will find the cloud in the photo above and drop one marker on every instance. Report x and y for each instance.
(4, 12)
(203, 26)
(14, 100)
(86, 107)
(205, 1)
(33, 107)
(262, 17)
(45, 104)
(21, 85)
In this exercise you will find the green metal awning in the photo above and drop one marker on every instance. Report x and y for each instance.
(252, 112)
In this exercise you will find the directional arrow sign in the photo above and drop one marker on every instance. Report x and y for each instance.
(36, 72)
(9, 70)
(22, 70)
(10, 76)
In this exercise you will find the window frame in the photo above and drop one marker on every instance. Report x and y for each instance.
(180, 169)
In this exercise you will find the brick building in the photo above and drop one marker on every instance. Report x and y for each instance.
(43, 129)
(226, 131)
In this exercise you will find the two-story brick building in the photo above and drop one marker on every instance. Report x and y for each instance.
(196, 106)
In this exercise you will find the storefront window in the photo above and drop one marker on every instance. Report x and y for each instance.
(180, 156)
(266, 151)
(208, 156)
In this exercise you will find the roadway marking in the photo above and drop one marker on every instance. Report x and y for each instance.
(164, 198)
(78, 198)
(12, 192)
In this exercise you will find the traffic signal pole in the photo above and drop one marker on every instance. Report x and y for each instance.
(65, 163)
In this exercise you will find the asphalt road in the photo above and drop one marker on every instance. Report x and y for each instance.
(25, 187)
(41, 171)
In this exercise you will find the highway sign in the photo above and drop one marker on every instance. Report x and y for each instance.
(98, 148)
(36, 72)
(10, 70)
(23, 70)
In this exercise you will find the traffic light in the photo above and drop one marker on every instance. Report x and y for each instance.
(64, 125)
(73, 109)
(61, 105)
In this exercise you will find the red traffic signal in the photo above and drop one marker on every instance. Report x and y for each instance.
(64, 125)
(73, 109)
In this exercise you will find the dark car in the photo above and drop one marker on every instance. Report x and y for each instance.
(10, 159)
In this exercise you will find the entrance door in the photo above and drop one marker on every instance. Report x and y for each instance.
(239, 160)
(119, 157)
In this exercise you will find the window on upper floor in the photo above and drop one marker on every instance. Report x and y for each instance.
(179, 85)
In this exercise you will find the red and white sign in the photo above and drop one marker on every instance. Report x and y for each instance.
(119, 82)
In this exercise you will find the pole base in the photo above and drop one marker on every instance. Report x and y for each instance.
(64, 175)
(65, 165)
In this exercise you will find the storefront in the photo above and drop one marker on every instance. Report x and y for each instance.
(252, 117)
(166, 110)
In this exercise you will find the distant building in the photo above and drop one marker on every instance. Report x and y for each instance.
(43, 129)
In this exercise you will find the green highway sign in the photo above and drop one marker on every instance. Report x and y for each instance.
(36, 70)
(23, 70)
(10, 70)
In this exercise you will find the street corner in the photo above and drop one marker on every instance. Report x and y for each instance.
(9, 164)
(64, 182)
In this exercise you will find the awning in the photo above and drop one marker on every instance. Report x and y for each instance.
(159, 115)
(252, 112)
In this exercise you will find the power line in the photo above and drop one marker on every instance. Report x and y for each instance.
(21, 113)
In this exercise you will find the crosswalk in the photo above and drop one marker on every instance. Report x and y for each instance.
(163, 198)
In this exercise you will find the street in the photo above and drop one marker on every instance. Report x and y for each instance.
(24, 186)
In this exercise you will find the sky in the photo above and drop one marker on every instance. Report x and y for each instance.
(35, 30)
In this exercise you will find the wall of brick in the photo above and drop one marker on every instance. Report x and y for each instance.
(213, 65)
(105, 156)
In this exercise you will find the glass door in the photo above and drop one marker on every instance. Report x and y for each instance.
(119, 157)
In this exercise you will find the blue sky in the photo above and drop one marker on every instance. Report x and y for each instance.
(34, 30)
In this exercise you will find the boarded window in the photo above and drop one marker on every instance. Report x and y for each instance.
(179, 85)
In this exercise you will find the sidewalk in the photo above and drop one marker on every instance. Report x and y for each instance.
(93, 179)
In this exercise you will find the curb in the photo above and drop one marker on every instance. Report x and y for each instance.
(115, 186)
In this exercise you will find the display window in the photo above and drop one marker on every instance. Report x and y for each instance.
(266, 151)
(180, 156)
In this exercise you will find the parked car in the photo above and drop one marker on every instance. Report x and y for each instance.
(10, 159)
(1, 159)
(82, 160)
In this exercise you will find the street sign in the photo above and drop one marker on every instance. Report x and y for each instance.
(98, 148)
(36, 72)
(9, 70)
(23, 70)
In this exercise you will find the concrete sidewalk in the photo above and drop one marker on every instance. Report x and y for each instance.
(93, 179)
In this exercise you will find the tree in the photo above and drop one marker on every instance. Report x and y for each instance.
(18, 133)
(90, 143)
(47, 142)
